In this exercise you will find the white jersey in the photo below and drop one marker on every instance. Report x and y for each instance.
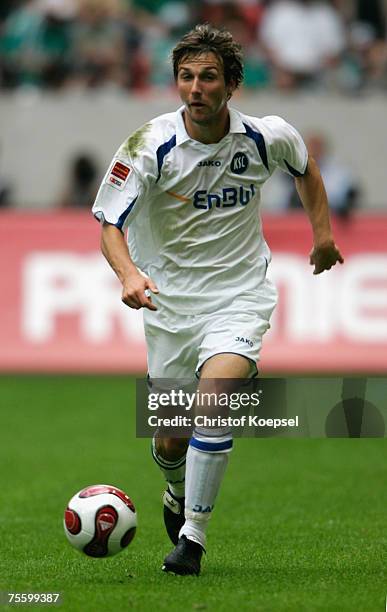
(192, 209)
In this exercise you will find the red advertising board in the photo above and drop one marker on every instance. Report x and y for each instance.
(61, 309)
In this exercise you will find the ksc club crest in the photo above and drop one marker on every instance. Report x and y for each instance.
(239, 163)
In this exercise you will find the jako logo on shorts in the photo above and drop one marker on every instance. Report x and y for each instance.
(230, 196)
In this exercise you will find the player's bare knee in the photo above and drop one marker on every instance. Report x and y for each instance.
(171, 449)
(226, 367)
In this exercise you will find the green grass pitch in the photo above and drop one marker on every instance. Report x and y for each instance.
(300, 525)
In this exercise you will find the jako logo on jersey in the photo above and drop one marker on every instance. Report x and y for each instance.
(239, 163)
(230, 196)
(210, 162)
(241, 339)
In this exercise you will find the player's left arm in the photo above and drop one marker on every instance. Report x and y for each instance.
(310, 188)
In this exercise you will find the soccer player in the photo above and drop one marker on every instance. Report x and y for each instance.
(186, 187)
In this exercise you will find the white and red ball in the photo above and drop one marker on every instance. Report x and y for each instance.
(100, 520)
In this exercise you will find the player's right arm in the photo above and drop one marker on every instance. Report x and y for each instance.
(121, 197)
(134, 284)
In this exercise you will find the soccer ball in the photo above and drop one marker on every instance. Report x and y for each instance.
(100, 520)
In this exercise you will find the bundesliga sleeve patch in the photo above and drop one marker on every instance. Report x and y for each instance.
(118, 175)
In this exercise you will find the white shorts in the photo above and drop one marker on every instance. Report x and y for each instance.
(179, 344)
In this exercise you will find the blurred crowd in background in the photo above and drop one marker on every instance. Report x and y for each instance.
(337, 45)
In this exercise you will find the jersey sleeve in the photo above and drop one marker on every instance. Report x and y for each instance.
(286, 147)
(126, 184)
